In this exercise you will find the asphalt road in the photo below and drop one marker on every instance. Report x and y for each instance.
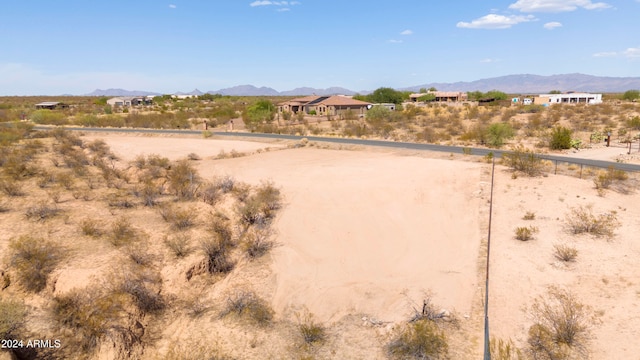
(363, 142)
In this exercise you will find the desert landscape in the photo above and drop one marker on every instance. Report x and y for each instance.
(349, 249)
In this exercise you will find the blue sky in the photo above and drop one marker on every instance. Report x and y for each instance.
(57, 47)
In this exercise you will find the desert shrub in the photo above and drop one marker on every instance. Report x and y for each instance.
(248, 305)
(33, 259)
(120, 199)
(194, 351)
(91, 227)
(565, 253)
(210, 194)
(194, 157)
(217, 256)
(256, 243)
(145, 298)
(421, 339)
(259, 208)
(561, 327)
(220, 227)
(183, 180)
(91, 316)
(524, 233)
(48, 117)
(605, 178)
(560, 138)
(225, 183)
(180, 219)
(498, 133)
(504, 350)
(148, 192)
(582, 220)
(65, 179)
(529, 215)
(11, 187)
(312, 332)
(241, 191)
(523, 160)
(122, 232)
(178, 244)
(41, 211)
(13, 316)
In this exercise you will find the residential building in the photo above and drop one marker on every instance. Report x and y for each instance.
(568, 98)
(442, 96)
(325, 105)
(123, 101)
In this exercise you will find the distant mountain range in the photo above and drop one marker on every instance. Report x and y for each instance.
(512, 84)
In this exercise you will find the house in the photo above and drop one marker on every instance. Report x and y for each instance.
(51, 105)
(325, 105)
(568, 98)
(442, 96)
(129, 101)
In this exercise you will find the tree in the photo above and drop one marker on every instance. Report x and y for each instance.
(261, 111)
(496, 94)
(378, 114)
(386, 95)
(555, 92)
(631, 95)
(475, 95)
(497, 133)
(433, 89)
(423, 90)
(427, 97)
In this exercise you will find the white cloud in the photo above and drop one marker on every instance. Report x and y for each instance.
(274, 3)
(552, 25)
(632, 53)
(172, 6)
(554, 6)
(407, 32)
(494, 21)
(394, 41)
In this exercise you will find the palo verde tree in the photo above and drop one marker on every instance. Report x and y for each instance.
(631, 95)
(260, 112)
(386, 95)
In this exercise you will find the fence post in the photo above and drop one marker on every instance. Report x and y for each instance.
(555, 172)
(580, 171)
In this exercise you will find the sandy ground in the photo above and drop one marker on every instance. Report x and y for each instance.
(368, 233)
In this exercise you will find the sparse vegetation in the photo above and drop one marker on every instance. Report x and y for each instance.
(246, 304)
(312, 332)
(561, 326)
(524, 161)
(422, 339)
(565, 253)
(33, 259)
(529, 215)
(582, 220)
(526, 233)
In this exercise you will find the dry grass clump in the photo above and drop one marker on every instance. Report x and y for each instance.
(178, 244)
(13, 316)
(122, 232)
(605, 178)
(525, 233)
(582, 220)
(259, 209)
(183, 180)
(504, 350)
(312, 332)
(194, 157)
(562, 326)
(11, 187)
(33, 259)
(529, 215)
(256, 243)
(41, 211)
(422, 339)
(524, 161)
(565, 253)
(217, 256)
(210, 194)
(120, 199)
(91, 227)
(248, 305)
(180, 219)
(140, 287)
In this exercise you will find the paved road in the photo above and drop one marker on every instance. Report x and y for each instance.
(378, 143)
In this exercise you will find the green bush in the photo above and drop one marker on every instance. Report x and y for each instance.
(48, 117)
(498, 133)
(33, 259)
(523, 160)
(560, 138)
(525, 233)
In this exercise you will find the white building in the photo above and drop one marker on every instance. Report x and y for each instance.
(570, 98)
